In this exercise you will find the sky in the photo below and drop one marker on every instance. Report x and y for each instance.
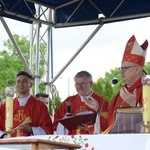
(103, 52)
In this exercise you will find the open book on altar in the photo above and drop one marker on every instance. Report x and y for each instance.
(72, 122)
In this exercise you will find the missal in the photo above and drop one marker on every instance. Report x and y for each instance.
(72, 122)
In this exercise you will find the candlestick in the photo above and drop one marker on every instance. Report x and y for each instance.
(9, 91)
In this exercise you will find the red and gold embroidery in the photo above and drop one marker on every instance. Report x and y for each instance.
(20, 116)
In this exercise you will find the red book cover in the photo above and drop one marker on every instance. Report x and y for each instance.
(72, 122)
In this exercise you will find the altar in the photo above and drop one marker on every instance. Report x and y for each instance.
(88, 142)
(33, 143)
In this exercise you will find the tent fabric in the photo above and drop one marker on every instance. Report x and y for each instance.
(77, 12)
(17, 9)
(90, 10)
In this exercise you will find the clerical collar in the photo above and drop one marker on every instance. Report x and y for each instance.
(23, 101)
(86, 96)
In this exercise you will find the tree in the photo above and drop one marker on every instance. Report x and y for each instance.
(147, 68)
(11, 63)
(23, 44)
(98, 87)
(9, 66)
(104, 86)
(114, 74)
(108, 90)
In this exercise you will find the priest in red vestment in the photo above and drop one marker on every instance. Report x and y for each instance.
(132, 71)
(26, 106)
(85, 100)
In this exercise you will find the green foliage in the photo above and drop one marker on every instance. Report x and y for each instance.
(11, 63)
(147, 68)
(42, 87)
(108, 90)
(23, 44)
(97, 87)
(104, 87)
(8, 67)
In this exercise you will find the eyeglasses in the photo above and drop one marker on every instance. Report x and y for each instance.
(81, 84)
(125, 68)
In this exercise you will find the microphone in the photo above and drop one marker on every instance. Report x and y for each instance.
(68, 103)
(114, 81)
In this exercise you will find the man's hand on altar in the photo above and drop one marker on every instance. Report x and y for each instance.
(128, 97)
(91, 102)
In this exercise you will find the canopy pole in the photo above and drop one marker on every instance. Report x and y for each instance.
(78, 51)
(15, 44)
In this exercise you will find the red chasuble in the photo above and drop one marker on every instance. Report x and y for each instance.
(119, 102)
(34, 109)
(78, 106)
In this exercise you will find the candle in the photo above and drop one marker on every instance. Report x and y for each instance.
(146, 102)
(9, 113)
(9, 91)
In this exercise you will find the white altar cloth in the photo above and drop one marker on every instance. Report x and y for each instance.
(103, 141)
